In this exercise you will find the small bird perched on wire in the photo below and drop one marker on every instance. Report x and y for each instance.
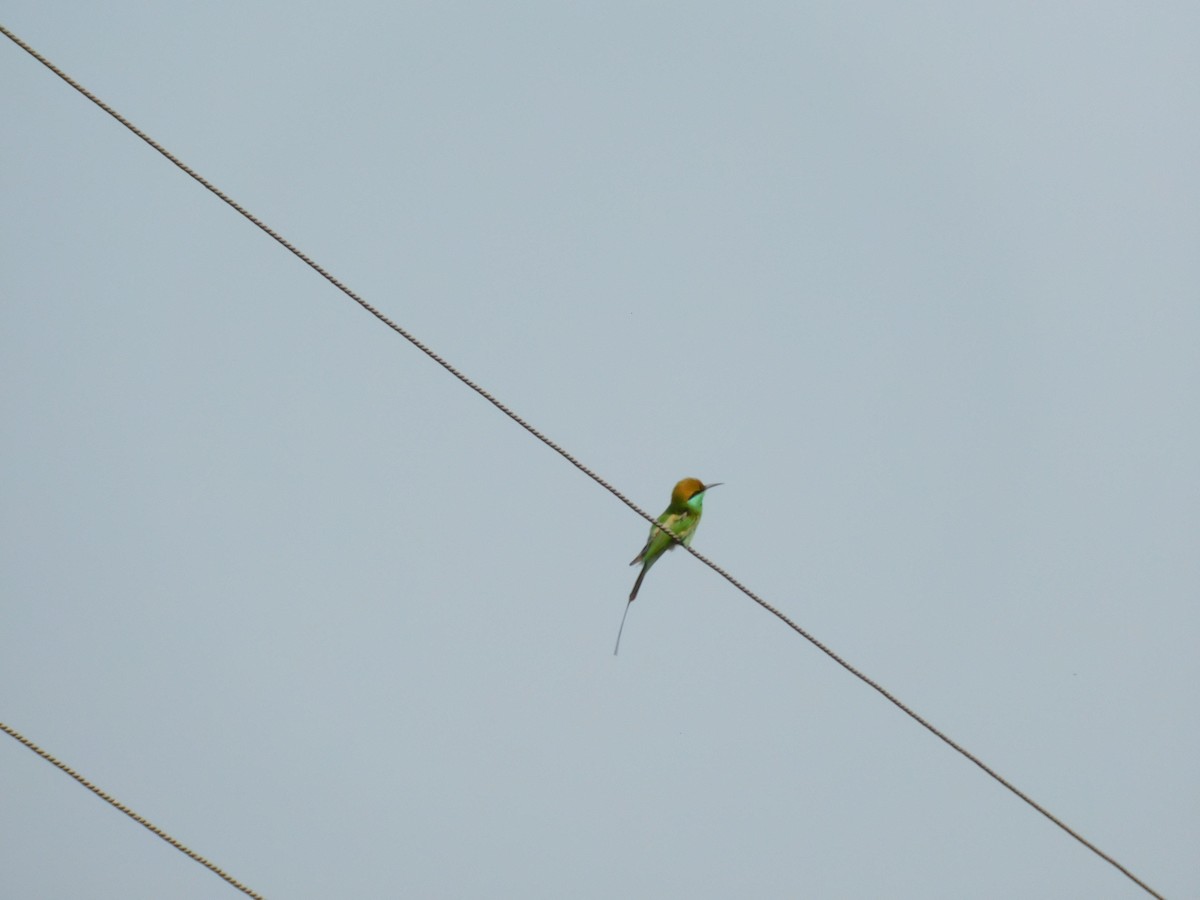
(680, 519)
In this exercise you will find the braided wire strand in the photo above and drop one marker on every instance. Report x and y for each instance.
(486, 395)
(141, 820)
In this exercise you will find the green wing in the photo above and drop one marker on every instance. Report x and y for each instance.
(682, 525)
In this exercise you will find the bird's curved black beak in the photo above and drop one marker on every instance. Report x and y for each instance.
(713, 485)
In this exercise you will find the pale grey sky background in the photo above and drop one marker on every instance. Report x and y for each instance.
(920, 282)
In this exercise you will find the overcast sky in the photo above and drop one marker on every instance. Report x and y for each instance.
(919, 282)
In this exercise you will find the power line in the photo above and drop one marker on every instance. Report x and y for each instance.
(575, 462)
(107, 798)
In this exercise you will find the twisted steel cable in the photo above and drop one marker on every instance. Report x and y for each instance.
(145, 823)
(482, 392)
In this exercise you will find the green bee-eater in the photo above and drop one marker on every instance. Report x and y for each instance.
(680, 519)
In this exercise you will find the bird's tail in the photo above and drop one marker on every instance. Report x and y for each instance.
(632, 596)
(622, 628)
(637, 584)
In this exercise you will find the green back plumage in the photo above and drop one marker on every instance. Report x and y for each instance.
(681, 523)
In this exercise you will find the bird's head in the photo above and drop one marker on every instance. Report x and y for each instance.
(690, 492)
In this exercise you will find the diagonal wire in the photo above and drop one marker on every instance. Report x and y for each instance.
(145, 823)
(887, 695)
